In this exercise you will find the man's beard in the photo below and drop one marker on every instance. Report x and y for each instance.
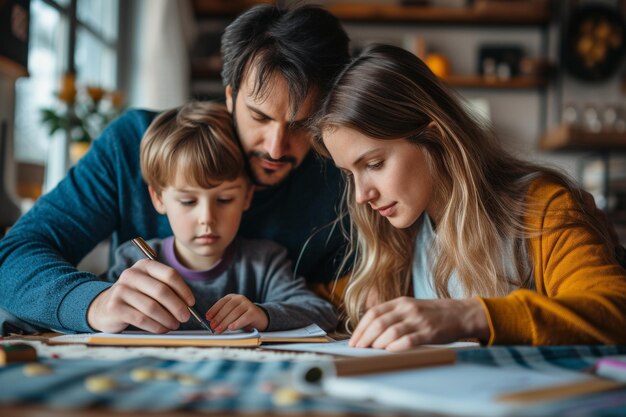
(268, 172)
(261, 156)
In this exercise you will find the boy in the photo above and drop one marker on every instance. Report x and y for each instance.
(196, 176)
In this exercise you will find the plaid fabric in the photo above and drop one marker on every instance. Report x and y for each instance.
(243, 386)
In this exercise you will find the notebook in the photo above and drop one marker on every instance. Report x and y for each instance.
(309, 334)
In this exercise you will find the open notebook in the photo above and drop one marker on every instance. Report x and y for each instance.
(310, 334)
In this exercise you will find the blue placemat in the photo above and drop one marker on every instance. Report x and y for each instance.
(242, 385)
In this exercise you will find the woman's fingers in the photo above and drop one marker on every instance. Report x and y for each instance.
(406, 322)
(369, 319)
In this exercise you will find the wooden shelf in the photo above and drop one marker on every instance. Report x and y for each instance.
(223, 8)
(205, 73)
(477, 81)
(506, 14)
(566, 138)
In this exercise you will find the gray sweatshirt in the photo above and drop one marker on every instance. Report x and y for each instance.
(257, 269)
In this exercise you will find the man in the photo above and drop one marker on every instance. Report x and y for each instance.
(278, 64)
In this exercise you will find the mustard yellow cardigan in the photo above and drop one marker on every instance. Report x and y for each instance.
(580, 295)
(580, 291)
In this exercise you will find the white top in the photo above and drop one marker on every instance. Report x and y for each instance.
(423, 280)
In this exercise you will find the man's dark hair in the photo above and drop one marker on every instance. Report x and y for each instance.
(306, 45)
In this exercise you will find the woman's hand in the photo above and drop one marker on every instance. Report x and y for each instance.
(405, 322)
(149, 295)
(234, 312)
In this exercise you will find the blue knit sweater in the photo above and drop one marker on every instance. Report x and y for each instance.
(104, 195)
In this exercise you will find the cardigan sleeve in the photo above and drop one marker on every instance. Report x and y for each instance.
(580, 294)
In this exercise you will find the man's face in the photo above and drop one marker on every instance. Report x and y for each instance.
(274, 142)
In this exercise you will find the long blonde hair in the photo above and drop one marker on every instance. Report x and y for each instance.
(388, 93)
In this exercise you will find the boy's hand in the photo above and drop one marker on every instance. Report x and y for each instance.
(234, 312)
(150, 296)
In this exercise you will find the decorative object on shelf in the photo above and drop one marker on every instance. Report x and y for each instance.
(594, 42)
(595, 117)
(82, 112)
(438, 64)
(499, 61)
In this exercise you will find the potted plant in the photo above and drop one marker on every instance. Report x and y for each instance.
(81, 112)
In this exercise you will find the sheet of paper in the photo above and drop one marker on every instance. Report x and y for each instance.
(461, 389)
(341, 348)
(178, 334)
(312, 330)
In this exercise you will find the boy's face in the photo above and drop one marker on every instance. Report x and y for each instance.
(204, 220)
(274, 142)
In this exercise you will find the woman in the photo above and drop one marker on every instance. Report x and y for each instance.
(452, 237)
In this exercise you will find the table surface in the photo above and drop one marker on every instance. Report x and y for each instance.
(249, 376)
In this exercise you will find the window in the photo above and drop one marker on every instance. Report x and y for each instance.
(94, 56)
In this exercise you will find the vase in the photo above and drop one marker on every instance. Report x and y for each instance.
(9, 211)
(77, 150)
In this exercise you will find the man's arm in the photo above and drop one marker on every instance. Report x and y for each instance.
(40, 283)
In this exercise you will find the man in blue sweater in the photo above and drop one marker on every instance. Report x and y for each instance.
(278, 64)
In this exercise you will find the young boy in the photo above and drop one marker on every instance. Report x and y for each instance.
(196, 176)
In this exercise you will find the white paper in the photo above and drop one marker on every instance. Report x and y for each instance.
(460, 389)
(312, 330)
(177, 334)
(341, 348)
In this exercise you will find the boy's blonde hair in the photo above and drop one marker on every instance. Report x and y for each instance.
(197, 140)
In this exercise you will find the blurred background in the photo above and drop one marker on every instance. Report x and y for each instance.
(549, 76)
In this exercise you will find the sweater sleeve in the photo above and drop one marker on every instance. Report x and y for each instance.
(580, 295)
(39, 281)
(287, 300)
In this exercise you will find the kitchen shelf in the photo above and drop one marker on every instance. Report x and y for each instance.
(508, 13)
(514, 83)
(203, 73)
(223, 8)
(565, 138)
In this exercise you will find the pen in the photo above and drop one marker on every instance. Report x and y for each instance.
(150, 254)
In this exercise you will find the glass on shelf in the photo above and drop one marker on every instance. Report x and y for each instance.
(570, 115)
(609, 117)
(591, 119)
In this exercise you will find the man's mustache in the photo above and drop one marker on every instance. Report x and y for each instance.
(283, 159)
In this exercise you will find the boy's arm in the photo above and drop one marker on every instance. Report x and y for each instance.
(287, 301)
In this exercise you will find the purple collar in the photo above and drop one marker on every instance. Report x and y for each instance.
(190, 274)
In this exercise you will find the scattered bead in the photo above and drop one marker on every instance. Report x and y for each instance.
(98, 384)
(185, 379)
(141, 374)
(36, 369)
(163, 375)
(286, 396)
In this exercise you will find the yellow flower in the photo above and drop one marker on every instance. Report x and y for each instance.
(117, 99)
(67, 93)
(96, 93)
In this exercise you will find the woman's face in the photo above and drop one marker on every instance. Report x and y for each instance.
(391, 176)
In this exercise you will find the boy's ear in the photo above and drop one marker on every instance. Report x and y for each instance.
(229, 98)
(156, 200)
(249, 196)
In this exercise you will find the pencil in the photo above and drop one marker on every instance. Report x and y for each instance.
(151, 254)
